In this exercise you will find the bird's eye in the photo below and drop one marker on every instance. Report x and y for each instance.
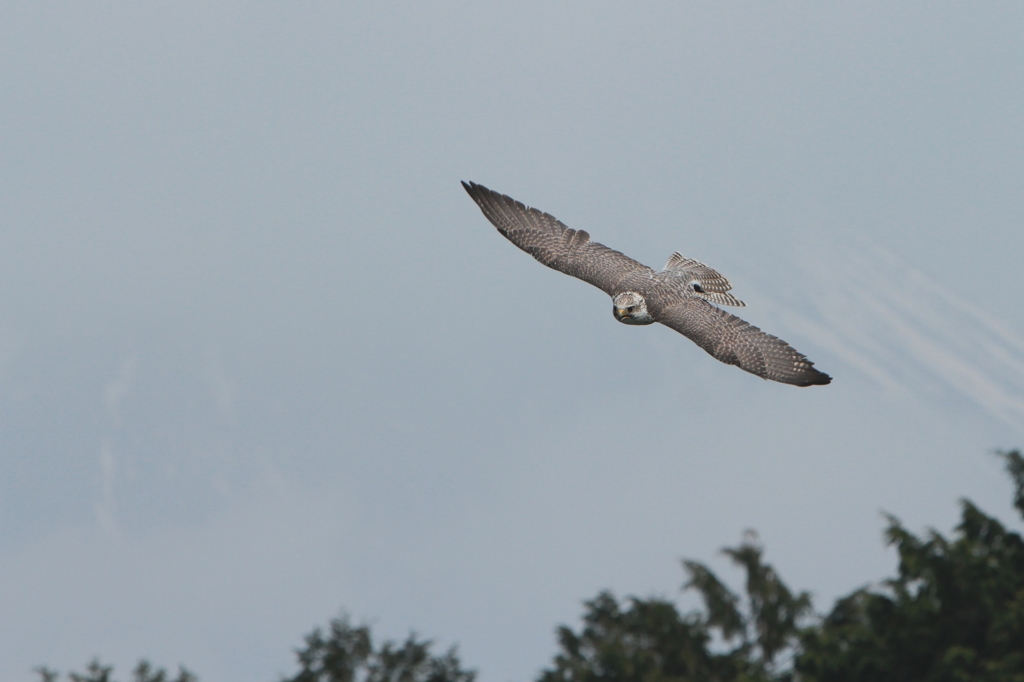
(629, 309)
(697, 287)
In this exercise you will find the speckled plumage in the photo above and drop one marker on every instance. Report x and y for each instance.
(680, 297)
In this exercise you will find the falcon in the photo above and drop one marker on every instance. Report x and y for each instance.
(684, 296)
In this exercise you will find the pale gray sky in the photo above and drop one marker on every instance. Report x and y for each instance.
(261, 358)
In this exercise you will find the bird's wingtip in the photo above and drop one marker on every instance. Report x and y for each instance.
(477, 192)
(817, 379)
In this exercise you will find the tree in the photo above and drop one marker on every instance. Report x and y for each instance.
(346, 654)
(955, 610)
(648, 640)
(770, 622)
(643, 639)
(97, 672)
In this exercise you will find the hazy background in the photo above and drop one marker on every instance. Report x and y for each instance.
(261, 358)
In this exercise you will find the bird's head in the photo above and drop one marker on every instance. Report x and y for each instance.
(630, 307)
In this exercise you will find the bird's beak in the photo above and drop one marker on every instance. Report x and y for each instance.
(620, 313)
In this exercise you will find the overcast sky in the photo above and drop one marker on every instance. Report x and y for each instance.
(262, 359)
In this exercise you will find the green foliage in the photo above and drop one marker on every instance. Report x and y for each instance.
(723, 607)
(648, 640)
(955, 611)
(770, 623)
(346, 654)
(97, 672)
(1015, 467)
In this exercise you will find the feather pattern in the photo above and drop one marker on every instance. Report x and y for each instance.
(552, 243)
(719, 298)
(737, 342)
(709, 278)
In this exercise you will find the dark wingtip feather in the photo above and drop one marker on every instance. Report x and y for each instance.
(483, 196)
(816, 379)
(474, 190)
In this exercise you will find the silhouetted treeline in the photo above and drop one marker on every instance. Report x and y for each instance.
(954, 611)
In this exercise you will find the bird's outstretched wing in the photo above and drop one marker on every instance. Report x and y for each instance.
(552, 243)
(735, 342)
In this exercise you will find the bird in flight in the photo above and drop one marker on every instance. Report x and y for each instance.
(684, 296)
